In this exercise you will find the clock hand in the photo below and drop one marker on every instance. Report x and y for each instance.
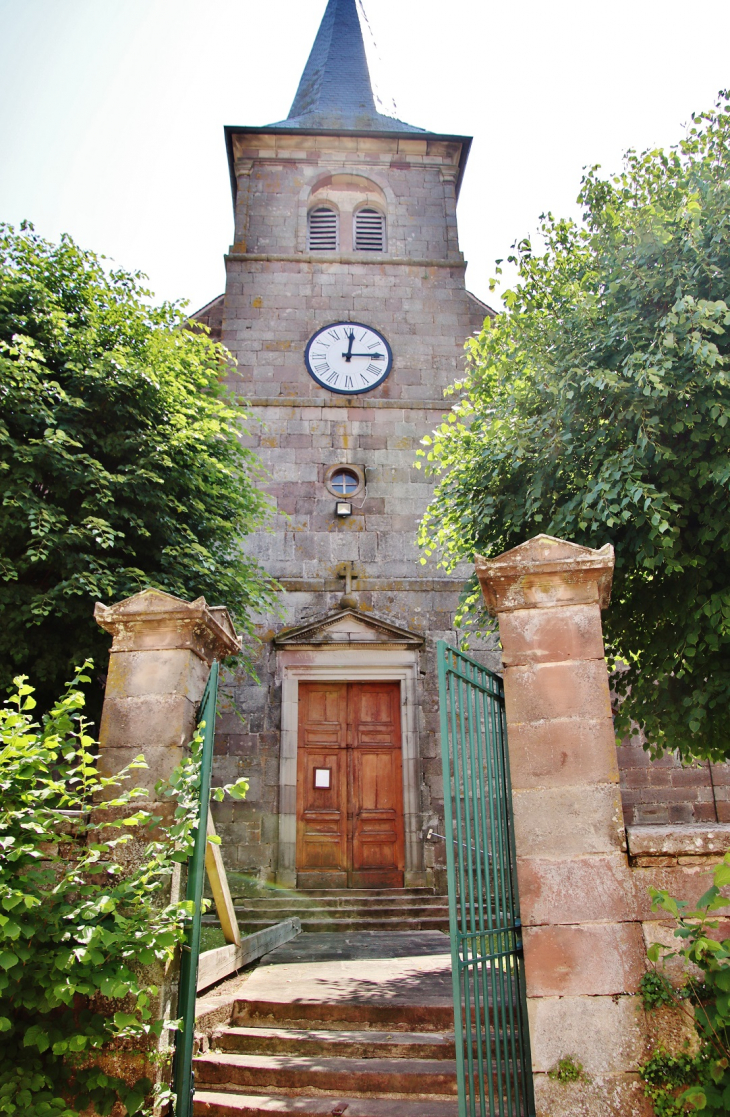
(372, 356)
(348, 354)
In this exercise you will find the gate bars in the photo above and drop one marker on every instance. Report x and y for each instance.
(183, 1073)
(490, 1013)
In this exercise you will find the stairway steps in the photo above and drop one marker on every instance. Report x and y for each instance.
(228, 1071)
(364, 1054)
(214, 1104)
(345, 910)
(346, 1044)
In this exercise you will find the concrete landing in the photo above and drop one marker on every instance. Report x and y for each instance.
(360, 968)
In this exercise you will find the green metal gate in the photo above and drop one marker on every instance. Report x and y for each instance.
(183, 1069)
(490, 1013)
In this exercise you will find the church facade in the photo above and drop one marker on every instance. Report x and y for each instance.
(346, 311)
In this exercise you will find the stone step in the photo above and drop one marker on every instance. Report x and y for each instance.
(228, 1071)
(362, 892)
(342, 1015)
(347, 1044)
(374, 911)
(213, 1104)
(315, 910)
(341, 900)
(343, 924)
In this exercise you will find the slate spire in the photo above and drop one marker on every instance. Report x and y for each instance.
(336, 89)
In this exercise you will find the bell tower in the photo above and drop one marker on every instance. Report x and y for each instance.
(346, 312)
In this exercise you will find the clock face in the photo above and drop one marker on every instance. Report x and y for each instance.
(348, 357)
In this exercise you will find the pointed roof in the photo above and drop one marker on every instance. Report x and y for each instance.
(336, 89)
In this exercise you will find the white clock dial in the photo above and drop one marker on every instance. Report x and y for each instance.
(348, 357)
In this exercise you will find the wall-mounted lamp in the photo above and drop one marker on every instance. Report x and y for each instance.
(343, 508)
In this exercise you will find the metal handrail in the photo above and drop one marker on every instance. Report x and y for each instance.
(183, 1076)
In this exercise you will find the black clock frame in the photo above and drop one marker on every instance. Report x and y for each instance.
(348, 391)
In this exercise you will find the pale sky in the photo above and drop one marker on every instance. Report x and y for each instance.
(112, 111)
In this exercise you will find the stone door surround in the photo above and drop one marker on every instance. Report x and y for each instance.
(348, 646)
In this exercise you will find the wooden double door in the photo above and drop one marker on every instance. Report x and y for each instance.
(349, 786)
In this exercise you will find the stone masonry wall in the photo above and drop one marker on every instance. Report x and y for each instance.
(663, 791)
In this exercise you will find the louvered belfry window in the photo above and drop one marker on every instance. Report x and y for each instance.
(322, 230)
(369, 230)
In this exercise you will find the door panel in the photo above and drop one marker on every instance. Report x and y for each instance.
(322, 810)
(351, 831)
(377, 786)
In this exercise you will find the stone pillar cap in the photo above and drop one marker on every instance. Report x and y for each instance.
(544, 572)
(153, 620)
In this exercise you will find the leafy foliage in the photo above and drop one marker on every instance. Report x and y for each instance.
(706, 1076)
(567, 1069)
(596, 408)
(84, 920)
(656, 991)
(120, 460)
(666, 1077)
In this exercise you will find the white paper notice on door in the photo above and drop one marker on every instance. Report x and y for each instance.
(322, 777)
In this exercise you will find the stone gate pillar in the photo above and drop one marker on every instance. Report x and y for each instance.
(161, 654)
(160, 659)
(584, 952)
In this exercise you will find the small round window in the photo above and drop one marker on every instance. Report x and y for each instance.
(344, 482)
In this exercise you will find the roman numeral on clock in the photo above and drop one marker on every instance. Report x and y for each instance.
(333, 376)
(372, 368)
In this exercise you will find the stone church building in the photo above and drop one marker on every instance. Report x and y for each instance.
(346, 311)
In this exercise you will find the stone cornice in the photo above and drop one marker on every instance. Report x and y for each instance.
(345, 258)
(350, 402)
(544, 572)
(373, 584)
(153, 620)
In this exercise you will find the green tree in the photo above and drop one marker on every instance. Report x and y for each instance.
(120, 461)
(596, 408)
(86, 926)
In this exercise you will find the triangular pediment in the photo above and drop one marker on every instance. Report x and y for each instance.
(547, 548)
(537, 567)
(348, 628)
